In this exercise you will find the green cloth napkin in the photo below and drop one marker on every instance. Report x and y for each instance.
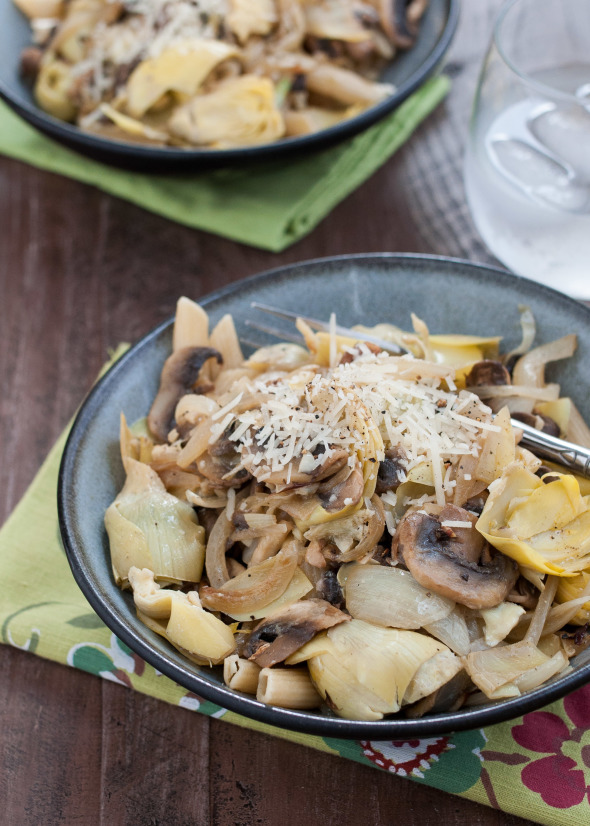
(537, 766)
(269, 206)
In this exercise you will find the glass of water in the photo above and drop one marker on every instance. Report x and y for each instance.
(527, 164)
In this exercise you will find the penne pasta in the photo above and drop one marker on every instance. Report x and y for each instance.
(287, 688)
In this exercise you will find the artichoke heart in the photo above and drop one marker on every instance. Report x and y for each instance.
(573, 588)
(542, 524)
(202, 636)
(181, 619)
(460, 350)
(150, 528)
(180, 69)
(242, 111)
(365, 670)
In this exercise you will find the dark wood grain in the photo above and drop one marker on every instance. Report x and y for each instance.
(79, 272)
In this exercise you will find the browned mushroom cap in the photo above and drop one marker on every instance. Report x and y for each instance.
(487, 372)
(330, 589)
(400, 18)
(218, 467)
(334, 462)
(179, 374)
(337, 493)
(30, 62)
(282, 633)
(539, 421)
(457, 563)
(392, 471)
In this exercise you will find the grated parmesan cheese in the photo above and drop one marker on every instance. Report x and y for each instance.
(456, 523)
(231, 504)
(400, 397)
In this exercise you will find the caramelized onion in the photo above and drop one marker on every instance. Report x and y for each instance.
(256, 586)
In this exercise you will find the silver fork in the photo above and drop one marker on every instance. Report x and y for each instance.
(574, 457)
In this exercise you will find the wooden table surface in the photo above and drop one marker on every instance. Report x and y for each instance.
(79, 272)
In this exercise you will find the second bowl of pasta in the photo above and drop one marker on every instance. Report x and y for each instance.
(175, 82)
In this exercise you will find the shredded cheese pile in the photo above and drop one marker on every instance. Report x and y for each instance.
(309, 423)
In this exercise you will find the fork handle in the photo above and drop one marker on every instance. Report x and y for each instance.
(574, 457)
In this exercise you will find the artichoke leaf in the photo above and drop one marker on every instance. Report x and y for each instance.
(431, 675)
(347, 696)
(241, 111)
(149, 597)
(198, 633)
(543, 525)
(150, 528)
(573, 588)
(181, 69)
(181, 619)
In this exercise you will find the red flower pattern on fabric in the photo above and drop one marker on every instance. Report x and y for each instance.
(559, 779)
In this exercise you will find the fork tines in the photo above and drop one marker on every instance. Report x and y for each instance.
(316, 324)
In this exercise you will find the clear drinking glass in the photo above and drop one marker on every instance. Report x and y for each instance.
(527, 165)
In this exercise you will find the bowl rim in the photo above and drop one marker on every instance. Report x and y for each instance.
(128, 151)
(242, 704)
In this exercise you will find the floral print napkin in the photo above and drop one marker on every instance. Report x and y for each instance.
(537, 766)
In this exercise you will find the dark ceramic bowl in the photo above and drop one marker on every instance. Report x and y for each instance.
(406, 72)
(450, 295)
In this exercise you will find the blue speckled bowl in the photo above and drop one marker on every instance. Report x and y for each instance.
(450, 295)
(406, 72)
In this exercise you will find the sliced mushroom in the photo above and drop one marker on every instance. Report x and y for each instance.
(346, 491)
(487, 372)
(458, 562)
(299, 476)
(476, 503)
(30, 62)
(279, 635)
(400, 18)
(524, 593)
(330, 589)
(218, 469)
(392, 471)
(538, 421)
(179, 375)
